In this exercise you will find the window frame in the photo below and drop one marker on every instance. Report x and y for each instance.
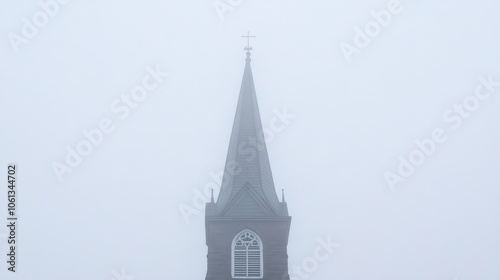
(261, 250)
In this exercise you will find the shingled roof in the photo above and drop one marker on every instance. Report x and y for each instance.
(247, 186)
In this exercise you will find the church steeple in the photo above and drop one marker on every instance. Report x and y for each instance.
(247, 227)
(247, 175)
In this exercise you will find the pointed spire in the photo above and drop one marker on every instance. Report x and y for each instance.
(212, 197)
(247, 163)
(283, 196)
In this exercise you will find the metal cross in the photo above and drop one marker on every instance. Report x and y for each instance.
(248, 40)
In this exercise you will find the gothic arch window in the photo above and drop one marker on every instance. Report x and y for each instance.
(246, 256)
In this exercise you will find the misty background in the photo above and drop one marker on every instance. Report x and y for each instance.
(119, 208)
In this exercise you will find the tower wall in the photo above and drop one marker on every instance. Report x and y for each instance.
(272, 231)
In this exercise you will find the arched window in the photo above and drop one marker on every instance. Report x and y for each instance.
(246, 260)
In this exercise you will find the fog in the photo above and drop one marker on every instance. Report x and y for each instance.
(388, 140)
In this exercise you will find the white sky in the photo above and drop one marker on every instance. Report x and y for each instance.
(120, 207)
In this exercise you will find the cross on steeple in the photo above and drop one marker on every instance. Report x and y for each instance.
(248, 48)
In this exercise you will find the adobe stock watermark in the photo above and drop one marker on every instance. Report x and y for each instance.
(454, 117)
(122, 275)
(321, 253)
(121, 107)
(278, 122)
(372, 29)
(31, 26)
(222, 7)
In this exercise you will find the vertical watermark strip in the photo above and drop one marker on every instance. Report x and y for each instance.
(11, 216)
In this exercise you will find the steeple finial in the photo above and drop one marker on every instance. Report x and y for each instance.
(282, 195)
(212, 197)
(248, 48)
